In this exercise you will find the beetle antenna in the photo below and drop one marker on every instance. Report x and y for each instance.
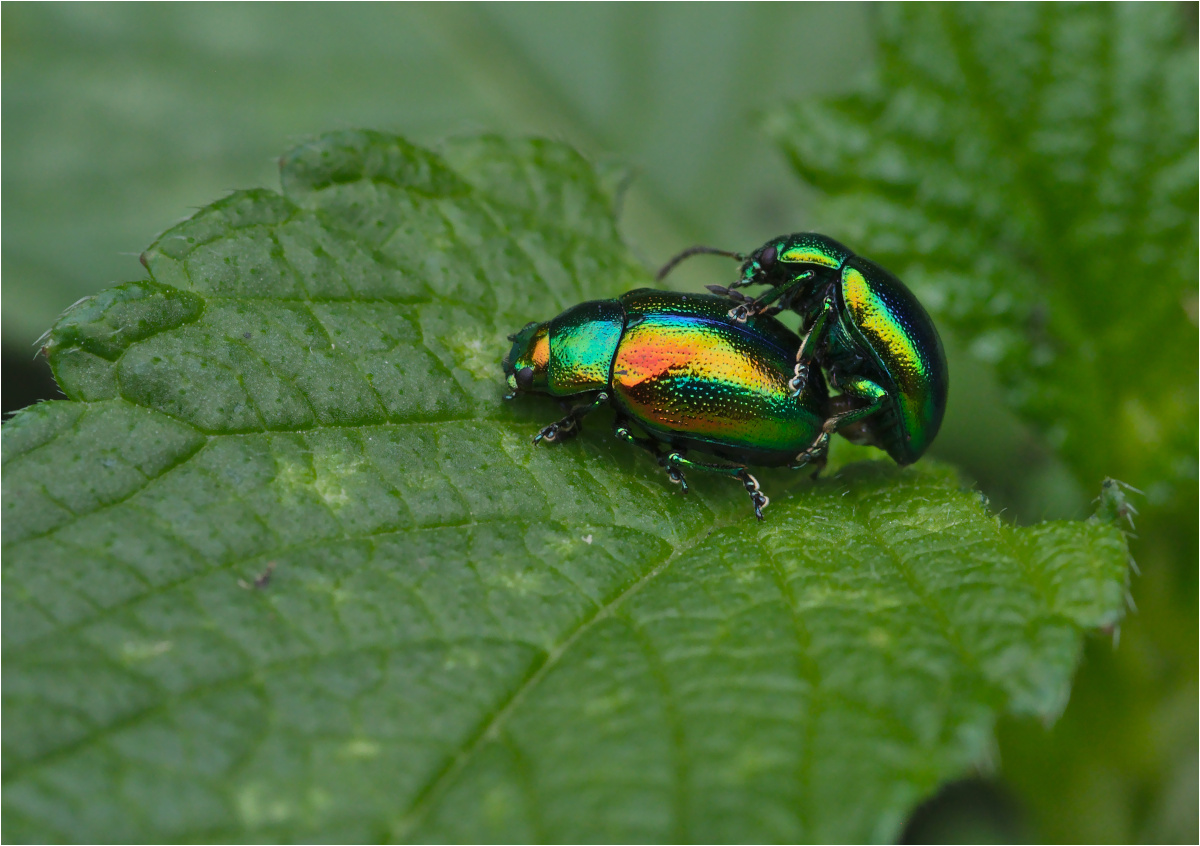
(695, 251)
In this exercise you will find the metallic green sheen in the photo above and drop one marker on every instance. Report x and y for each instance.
(689, 375)
(881, 333)
(642, 302)
(679, 368)
(583, 340)
(806, 249)
(883, 323)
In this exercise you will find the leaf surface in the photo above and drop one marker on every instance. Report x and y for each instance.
(285, 566)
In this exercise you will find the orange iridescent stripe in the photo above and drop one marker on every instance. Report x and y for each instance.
(705, 378)
(541, 350)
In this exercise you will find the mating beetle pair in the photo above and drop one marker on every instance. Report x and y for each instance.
(694, 373)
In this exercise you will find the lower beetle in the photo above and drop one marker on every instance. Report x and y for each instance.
(861, 324)
(676, 366)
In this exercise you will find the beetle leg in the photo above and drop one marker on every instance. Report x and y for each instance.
(815, 456)
(760, 500)
(861, 389)
(757, 497)
(569, 425)
(760, 305)
(808, 346)
(621, 430)
(745, 310)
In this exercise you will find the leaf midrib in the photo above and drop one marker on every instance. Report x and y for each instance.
(489, 728)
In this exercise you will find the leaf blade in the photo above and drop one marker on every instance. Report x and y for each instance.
(547, 638)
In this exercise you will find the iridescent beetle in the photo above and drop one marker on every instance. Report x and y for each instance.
(863, 326)
(676, 366)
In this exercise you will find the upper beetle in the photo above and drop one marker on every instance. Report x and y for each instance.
(685, 373)
(860, 323)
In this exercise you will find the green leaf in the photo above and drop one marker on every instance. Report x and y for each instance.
(1031, 171)
(285, 566)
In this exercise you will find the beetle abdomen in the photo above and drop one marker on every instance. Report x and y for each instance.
(708, 381)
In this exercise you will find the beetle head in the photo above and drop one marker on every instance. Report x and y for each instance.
(527, 364)
(785, 258)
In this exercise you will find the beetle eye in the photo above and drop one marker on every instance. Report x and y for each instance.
(767, 257)
(525, 378)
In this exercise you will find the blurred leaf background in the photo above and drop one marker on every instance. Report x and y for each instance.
(122, 119)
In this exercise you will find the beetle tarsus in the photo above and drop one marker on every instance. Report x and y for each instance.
(817, 454)
(670, 463)
(799, 379)
(760, 499)
(740, 314)
(563, 429)
(751, 308)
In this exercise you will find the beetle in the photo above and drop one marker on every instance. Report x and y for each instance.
(874, 339)
(678, 368)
